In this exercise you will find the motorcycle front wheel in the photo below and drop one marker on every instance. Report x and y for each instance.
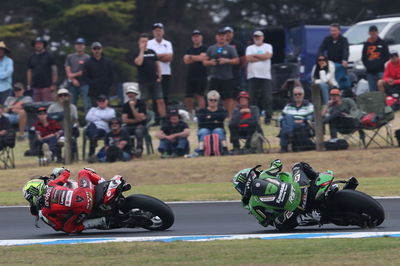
(162, 216)
(352, 207)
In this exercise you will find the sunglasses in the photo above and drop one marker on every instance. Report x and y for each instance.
(63, 95)
(96, 48)
(101, 101)
(321, 59)
(114, 123)
(298, 94)
(212, 100)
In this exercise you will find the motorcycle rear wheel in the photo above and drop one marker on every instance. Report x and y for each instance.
(352, 207)
(162, 215)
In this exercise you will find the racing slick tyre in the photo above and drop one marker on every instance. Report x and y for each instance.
(161, 214)
(352, 207)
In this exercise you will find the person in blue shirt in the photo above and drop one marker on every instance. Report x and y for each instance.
(6, 71)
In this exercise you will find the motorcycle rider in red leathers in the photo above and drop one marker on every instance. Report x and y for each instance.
(62, 207)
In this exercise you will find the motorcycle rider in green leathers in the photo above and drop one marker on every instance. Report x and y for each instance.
(277, 198)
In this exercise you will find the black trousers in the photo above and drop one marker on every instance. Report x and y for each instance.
(238, 133)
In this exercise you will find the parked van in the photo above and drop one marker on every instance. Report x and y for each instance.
(389, 30)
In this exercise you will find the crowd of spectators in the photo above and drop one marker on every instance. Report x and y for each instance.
(226, 83)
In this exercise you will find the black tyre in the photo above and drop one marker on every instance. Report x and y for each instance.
(352, 207)
(162, 215)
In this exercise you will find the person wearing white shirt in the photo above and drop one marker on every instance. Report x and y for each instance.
(164, 51)
(259, 57)
(323, 74)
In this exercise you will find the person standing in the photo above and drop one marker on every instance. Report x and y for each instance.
(74, 64)
(220, 58)
(6, 71)
(259, 57)
(98, 73)
(238, 78)
(149, 75)
(336, 48)
(375, 54)
(164, 51)
(196, 81)
(42, 72)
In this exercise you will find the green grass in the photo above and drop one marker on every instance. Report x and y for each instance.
(376, 251)
(380, 186)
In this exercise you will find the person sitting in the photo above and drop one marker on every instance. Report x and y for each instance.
(390, 83)
(48, 132)
(5, 129)
(98, 119)
(244, 122)
(56, 109)
(134, 115)
(295, 117)
(14, 109)
(211, 121)
(117, 144)
(323, 74)
(340, 113)
(173, 136)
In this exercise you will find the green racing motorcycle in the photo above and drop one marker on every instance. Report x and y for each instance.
(335, 201)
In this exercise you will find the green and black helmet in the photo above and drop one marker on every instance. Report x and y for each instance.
(240, 179)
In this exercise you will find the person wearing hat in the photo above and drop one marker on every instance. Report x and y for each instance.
(258, 56)
(239, 80)
(340, 113)
(98, 73)
(98, 123)
(219, 59)
(173, 136)
(74, 66)
(134, 116)
(244, 122)
(390, 83)
(56, 109)
(295, 117)
(14, 109)
(48, 131)
(42, 72)
(6, 72)
(375, 54)
(196, 79)
(164, 51)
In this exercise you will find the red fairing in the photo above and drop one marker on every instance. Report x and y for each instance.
(112, 188)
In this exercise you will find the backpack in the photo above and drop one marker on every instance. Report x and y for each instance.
(257, 142)
(212, 145)
(370, 120)
(301, 140)
(336, 144)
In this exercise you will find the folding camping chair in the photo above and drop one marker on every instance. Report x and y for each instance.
(380, 131)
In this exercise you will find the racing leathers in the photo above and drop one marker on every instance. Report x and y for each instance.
(64, 208)
(283, 200)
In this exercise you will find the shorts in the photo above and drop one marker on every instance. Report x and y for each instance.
(13, 118)
(195, 87)
(151, 90)
(225, 88)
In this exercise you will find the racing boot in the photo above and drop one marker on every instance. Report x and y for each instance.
(97, 223)
(310, 218)
(307, 169)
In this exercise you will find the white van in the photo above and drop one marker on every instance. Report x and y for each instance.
(389, 30)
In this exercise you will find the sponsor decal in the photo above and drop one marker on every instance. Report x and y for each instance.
(267, 199)
(89, 200)
(62, 198)
(47, 196)
(79, 198)
(282, 193)
(296, 174)
(109, 193)
(273, 181)
(84, 183)
(288, 214)
(292, 195)
(68, 198)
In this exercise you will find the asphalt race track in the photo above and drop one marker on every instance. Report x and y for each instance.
(190, 219)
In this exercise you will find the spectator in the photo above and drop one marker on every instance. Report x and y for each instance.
(390, 83)
(117, 144)
(98, 73)
(74, 67)
(134, 113)
(375, 54)
(173, 136)
(98, 119)
(220, 59)
(259, 57)
(238, 79)
(149, 75)
(48, 132)
(244, 122)
(6, 72)
(14, 109)
(4, 128)
(196, 81)
(295, 115)
(42, 72)
(340, 113)
(323, 74)
(211, 121)
(56, 109)
(164, 51)
(336, 48)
